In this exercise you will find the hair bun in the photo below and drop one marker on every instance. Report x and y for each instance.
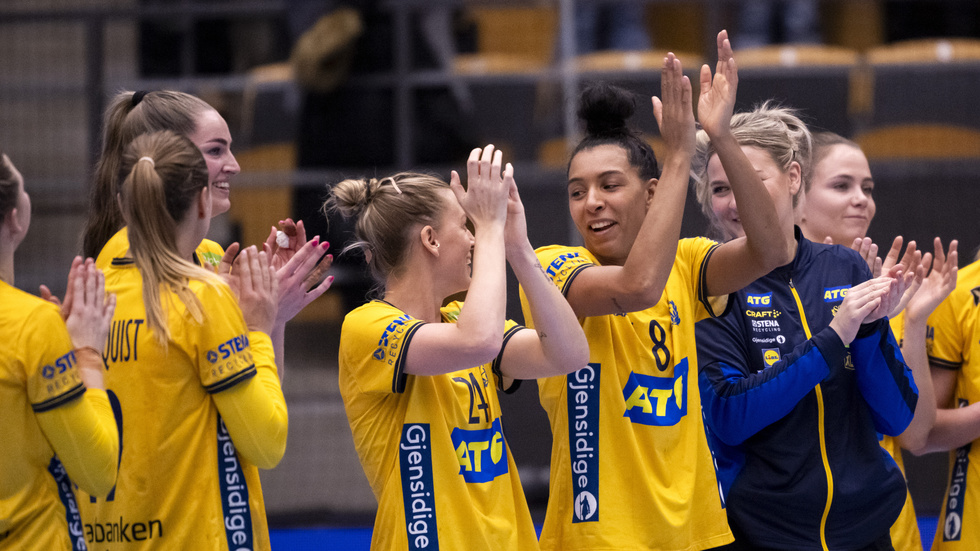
(605, 108)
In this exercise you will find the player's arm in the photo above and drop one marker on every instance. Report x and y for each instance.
(738, 403)
(765, 246)
(254, 410)
(476, 337)
(84, 435)
(640, 281)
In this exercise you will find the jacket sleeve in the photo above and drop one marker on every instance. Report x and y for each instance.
(884, 380)
(737, 402)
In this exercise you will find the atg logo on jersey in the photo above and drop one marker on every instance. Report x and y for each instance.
(835, 294)
(482, 453)
(657, 401)
(764, 299)
(770, 356)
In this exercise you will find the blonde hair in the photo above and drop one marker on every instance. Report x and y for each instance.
(129, 115)
(773, 129)
(822, 143)
(8, 187)
(155, 196)
(386, 211)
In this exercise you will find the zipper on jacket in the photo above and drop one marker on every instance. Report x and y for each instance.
(820, 430)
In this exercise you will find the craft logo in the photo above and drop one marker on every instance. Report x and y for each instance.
(764, 299)
(770, 314)
(583, 439)
(657, 401)
(953, 522)
(482, 453)
(770, 356)
(415, 463)
(835, 294)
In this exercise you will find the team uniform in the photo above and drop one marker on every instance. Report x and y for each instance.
(630, 466)
(905, 532)
(955, 345)
(207, 254)
(793, 414)
(432, 447)
(46, 407)
(182, 484)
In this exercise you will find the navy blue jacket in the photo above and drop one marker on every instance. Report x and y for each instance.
(791, 412)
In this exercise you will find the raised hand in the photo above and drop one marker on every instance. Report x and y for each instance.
(938, 284)
(860, 302)
(717, 100)
(674, 110)
(910, 265)
(485, 198)
(282, 249)
(299, 277)
(91, 311)
(515, 229)
(65, 306)
(224, 267)
(258, 289)
(868, 251)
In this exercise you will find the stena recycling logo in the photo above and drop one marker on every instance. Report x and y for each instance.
(951, 529)
(585, 506)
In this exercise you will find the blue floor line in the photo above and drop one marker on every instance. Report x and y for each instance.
(359, 539)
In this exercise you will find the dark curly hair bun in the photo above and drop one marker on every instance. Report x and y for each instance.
(605, 108)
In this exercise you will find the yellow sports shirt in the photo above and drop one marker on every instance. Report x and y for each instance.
(181, 483)
(953, 342)
(39, 377)
(432, 447)
(630, 464)
(208, 253)
(905, 532)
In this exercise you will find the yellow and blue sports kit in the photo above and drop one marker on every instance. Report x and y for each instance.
(953, 342)
(905, 532)
(793, 414)
(207, 254)
(432, 447)
(46, 410)
(187, 468)
(630, 465)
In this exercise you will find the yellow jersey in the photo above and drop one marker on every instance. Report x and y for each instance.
(39, 376)
(432, 447)
(630, 465)
(207, 254)
(953, 342)
(181, 482)
(905, 532)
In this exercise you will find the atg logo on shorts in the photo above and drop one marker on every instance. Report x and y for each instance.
(415, 464)
(482, 453)
(658, 401)
(835, 294)
(583, 441)
(764, 299)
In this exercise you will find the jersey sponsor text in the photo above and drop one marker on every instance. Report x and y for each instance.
(657, 401)
(583, 433)
(415, 462)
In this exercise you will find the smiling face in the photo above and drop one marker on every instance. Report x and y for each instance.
(608, 201)
(839, 202)
(455, 243)
(782, 186)
(212, 137)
